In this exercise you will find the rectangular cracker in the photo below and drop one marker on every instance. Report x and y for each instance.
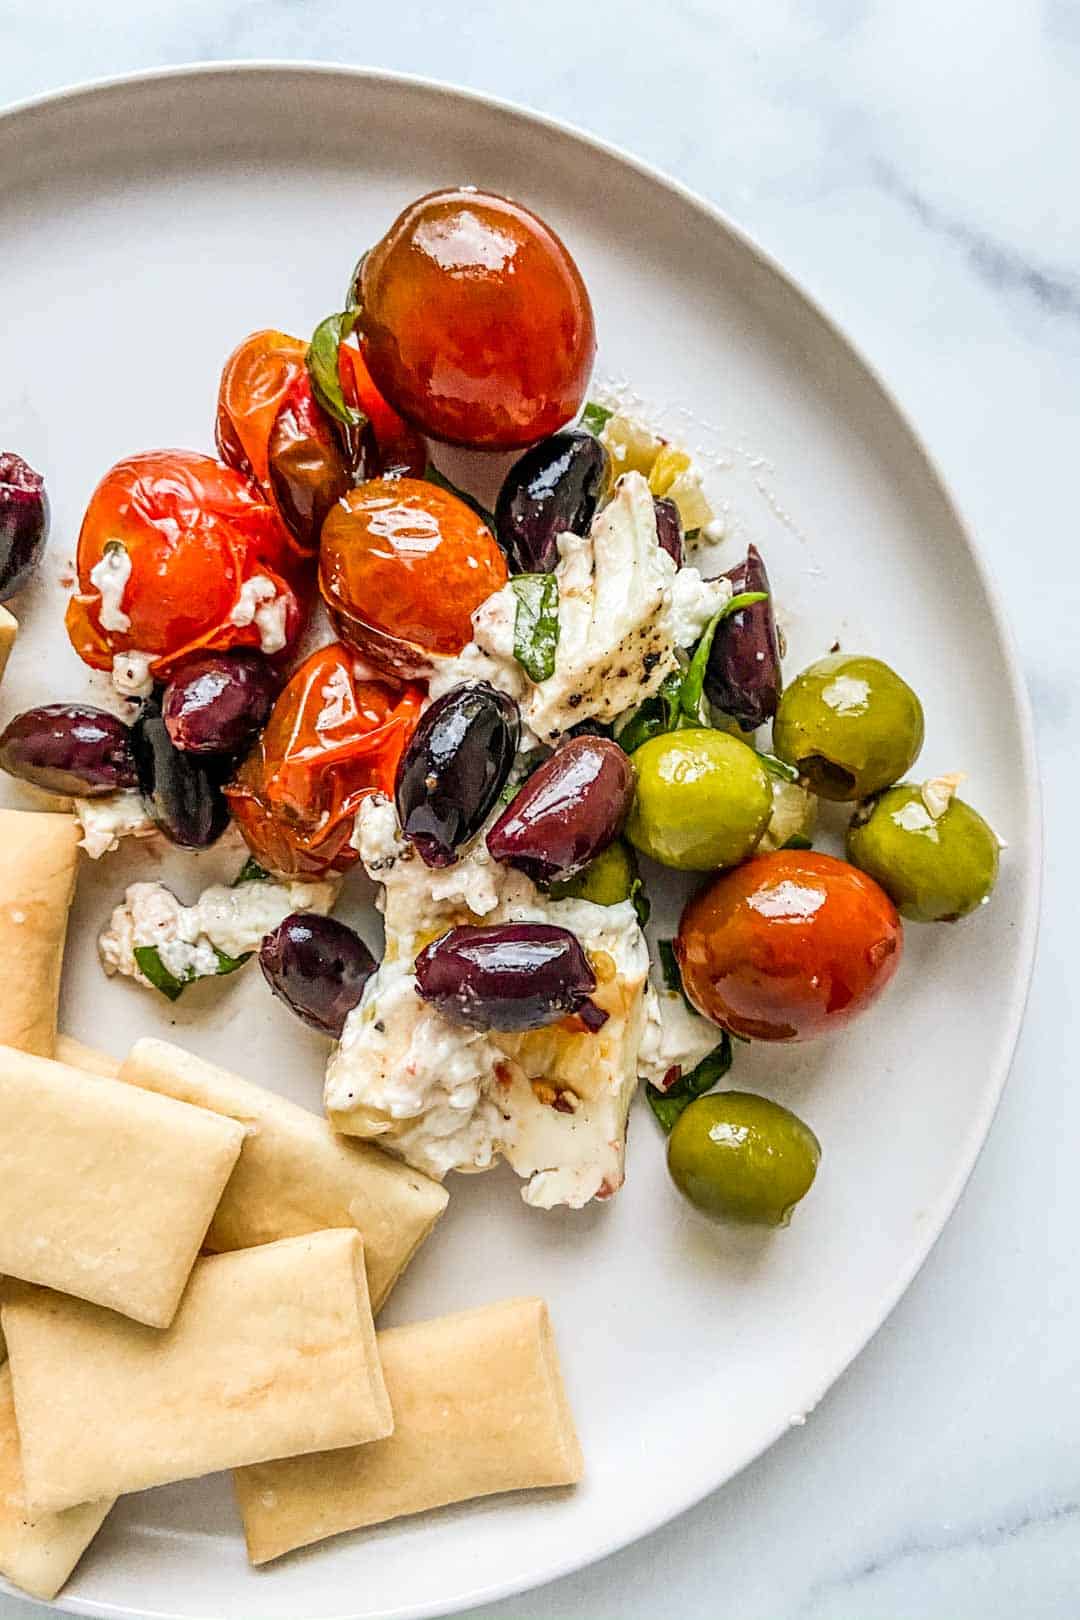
(271, 1353)
(295, 1174)
(479, 1407)
(38, 857)
(37, 1553)
(105, 1192)
(78, 1056)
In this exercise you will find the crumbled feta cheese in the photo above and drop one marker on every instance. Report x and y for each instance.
(674, 1038)
(260, 604)
(106, 820)
(794, 813)
(131, 673)
(232, 921)
(110, 577)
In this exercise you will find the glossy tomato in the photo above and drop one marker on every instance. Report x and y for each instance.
(271, 427)
(401, 450)
(403, 565)
(788, 946)
(332, 739)
(169, 554)
(475, 321)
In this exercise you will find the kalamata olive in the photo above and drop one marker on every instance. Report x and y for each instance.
(743, 673)
(506, 976)
(24, 522)
(216, 702)
(569, 810)
(318, 967)
(69, 748)
(454, 769)
(554, 489)
(182, 792)
(669, 529)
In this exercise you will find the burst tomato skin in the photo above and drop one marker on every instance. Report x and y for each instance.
(403, 565)
(788, 946)
(195, 532)
(332, 739)
(476, 324)
(402, 452)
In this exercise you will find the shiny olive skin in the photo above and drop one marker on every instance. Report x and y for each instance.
(742, 677)
(849, 725)
(703, 800)
(555, 488)
(69, 748)
(182, 792)
(454, 769)
(24, 522)
(739, 1157)
(567, 812)
(505, 976)
(669, 529)
(216, 702)
(933, 868)
(318, 967)
(608, 879)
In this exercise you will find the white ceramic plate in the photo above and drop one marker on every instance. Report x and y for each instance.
(146, 226)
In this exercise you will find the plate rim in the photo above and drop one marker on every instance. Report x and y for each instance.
(105, 86)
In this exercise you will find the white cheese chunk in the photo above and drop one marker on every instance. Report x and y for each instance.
(105, 820)
(110, 576)
(674, 1038)
(131, 673)
(259, 603)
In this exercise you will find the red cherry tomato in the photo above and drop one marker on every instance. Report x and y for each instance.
(401, 450)
(271, 427)
(332, 739)
(475, 321)
(193, 534)
(788, 946)
(402, 566)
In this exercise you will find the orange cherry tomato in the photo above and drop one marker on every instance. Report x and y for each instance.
(193, 534)
(475, 321)
(403, 564)
(788, 946)
(401, 450)
(271, 427)
(332, 739)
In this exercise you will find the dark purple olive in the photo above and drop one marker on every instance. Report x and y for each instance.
(69, 748)
(182, 792)
(554, 489)
(568, 811)
(216, 702)
(508, 976)
(743, 673)
(454, 769)
(318, 967)
(669, 529)
(24, 522)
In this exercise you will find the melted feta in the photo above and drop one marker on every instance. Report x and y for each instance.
(674, 1038)
(131, 673)
(104, 821)
(259, 603)
(110, 577)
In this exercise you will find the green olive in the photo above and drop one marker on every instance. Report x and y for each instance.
(849, 725)
(935, 867)
(742, 1157)
(703, 800)
(607, 879)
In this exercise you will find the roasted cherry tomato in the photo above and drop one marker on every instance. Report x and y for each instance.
(271, 427)
(475, 321)
(401, 450)
(178, 554)
(402, 566)
(788, 946)
(332, 739)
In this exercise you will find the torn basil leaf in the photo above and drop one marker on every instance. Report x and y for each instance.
(668, 1105)
(669, 967)
(691, 696)
(640, 901)
(150, 965)
(251, 872)
(595, 418)
(655, 716)
(322, 364)
(536, 624)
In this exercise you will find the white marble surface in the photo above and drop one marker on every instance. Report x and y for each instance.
(915, 166)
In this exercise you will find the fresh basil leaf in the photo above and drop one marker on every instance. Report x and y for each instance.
(229, 964)
(595, 418)
(669, 967)
(797, 841)
(251, 872)
(536, 624)
(655, 716)
(640, 901)
(668, 1105)
(322, 364)
(434, 476)
(693, 684)
(778, 767)
(153, 968)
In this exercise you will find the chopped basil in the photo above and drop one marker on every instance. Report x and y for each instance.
(322, 364)
(536, 624)
(434, 476)
(669, 967)
(640, 901)
(251, 872)
(668, 1105)
(778, 767)
(655, 716)
(691, 697)
(594, 418)
(797, 841)
(153, 968)
(229, 964)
